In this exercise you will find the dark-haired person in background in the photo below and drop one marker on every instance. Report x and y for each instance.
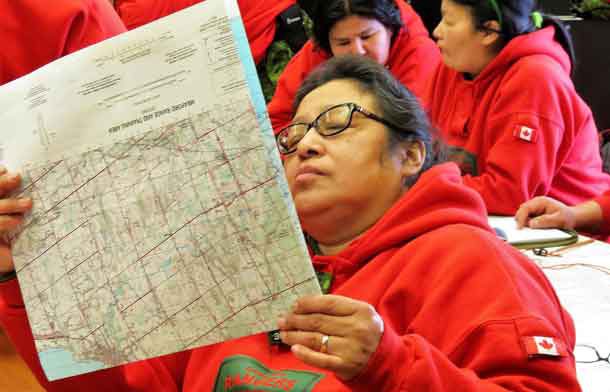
(506, 105)
(410, 305)
(388, 31)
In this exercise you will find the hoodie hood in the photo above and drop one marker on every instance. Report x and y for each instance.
(538, 43)
(437, 199)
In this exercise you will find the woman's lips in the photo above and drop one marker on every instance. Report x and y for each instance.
(307, 172)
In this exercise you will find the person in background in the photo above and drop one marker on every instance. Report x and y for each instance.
(387, 31)
(504, 101)
(409, 304)
(264, 20)
(543, 212)
(35, 33)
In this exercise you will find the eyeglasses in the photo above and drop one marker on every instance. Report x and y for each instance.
(328, 123)
(588, 354)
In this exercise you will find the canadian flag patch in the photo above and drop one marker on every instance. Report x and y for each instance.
(526, 133)
(544, 346)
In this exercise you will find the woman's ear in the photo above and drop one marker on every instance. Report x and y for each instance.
(413, 155)
(491, 33)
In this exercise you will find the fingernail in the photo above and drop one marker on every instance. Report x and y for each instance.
(281, 323)
(2, 170)
(295, 306)
(25, 202)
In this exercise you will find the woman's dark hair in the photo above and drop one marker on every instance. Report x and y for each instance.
(325, 13)
(397, 104)
(517, 19)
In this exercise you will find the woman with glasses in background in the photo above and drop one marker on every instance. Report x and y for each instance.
(410, 305)
(387, 31)
(505, 103)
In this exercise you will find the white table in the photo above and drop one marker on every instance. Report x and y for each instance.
(581, 277)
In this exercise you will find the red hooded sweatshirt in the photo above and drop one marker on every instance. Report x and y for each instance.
(519, 129)
(34, 32)
(455, 319)
(412, 60)
(258, 15)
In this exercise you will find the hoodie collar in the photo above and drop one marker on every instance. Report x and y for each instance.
(540, 42)
(437, 199)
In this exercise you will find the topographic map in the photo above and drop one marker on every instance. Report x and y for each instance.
(166, 232)
(581, 277)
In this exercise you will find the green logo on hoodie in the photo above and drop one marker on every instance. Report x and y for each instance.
(243, 373)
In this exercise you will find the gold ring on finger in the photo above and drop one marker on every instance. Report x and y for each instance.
(324, 345)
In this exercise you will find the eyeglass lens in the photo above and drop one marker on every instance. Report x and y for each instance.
(588, 354)
(329, 122)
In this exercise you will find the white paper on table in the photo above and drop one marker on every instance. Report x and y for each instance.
(581, 278)
(508, 226)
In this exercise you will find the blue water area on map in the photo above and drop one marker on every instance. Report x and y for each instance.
(58, 363)
(166, 264)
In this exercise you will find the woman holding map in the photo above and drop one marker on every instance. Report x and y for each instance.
(410, 304)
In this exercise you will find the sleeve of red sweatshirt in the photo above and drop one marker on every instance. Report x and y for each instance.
(529, 130)
(60, 29)
(517, 170)
(488, 311)
(410, 363)
(136, 13)
(96, 22)
(604, 203)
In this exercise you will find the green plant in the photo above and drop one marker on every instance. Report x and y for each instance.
(592, 9)
(272, 66)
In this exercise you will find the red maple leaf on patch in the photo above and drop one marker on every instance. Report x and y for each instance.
(545, 344)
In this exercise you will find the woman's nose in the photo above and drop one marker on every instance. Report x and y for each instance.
(311, 144)
(357, 47)
(436, 32)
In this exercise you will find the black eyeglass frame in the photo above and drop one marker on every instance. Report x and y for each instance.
(599, 357)
(352, 107)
